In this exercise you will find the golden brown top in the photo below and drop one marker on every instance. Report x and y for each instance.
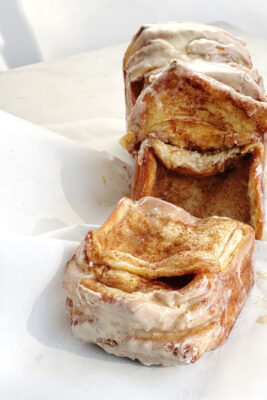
(152, 238)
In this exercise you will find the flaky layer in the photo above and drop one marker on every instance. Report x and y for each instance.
(163, 240)
(189, 110)
(194, 163)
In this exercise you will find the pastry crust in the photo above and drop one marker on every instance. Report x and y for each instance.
(205, 48)
(233, 188)
(158, 285)
(201, 119)
(193, 111)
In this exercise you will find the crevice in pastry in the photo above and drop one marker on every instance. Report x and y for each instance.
(234, 193)
(177, 282)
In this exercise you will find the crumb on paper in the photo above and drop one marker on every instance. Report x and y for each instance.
(262, 319)
(104, 180)
(262, 275)
(127, 170)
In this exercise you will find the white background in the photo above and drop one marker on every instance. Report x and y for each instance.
(37, 30)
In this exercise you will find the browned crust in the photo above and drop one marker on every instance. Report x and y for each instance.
(131, 91)
(238, 297)
(256, 189)
(145, 176)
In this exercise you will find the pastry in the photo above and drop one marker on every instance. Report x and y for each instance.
(157, 284)
(196, 121)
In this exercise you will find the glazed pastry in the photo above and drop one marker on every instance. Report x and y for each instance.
(157, 284)
(196, 121)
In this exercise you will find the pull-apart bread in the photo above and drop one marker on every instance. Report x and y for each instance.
(157, 284)
(196, 121)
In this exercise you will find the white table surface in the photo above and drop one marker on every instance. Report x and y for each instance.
(83, 86)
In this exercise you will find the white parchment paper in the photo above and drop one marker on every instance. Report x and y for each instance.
(40, 359)
(49, 182)
(53, 186)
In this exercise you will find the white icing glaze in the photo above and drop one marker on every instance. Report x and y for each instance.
(204, 48)
(131, 320)
(146, 325)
